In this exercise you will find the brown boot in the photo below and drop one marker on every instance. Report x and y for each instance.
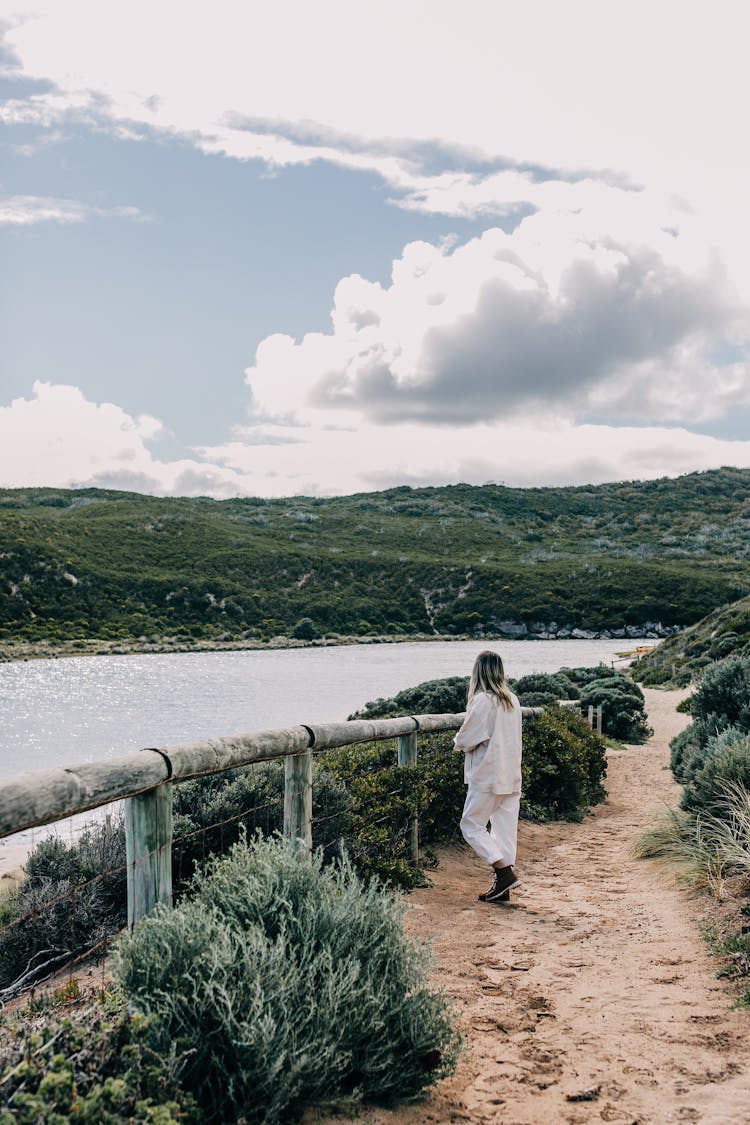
(505, 880)
(504, 897)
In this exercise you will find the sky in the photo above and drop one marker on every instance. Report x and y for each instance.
(293, 248)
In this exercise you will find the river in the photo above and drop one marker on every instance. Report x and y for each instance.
(61, 712)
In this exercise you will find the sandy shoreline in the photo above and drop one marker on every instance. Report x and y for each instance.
(44, 650)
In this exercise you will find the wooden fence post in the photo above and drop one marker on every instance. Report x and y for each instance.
(298, 771)
(590, 716)
(148, 851)
(599, 720)
(407, 756)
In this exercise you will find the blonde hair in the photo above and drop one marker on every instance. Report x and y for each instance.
(488, 675)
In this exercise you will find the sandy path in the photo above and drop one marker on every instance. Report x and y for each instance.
(596, 976)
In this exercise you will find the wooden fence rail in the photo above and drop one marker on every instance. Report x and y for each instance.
(144, 781)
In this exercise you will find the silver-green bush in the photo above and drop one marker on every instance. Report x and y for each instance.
(287, 984)
(725, 758)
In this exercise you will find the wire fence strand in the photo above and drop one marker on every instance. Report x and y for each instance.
(42, 959)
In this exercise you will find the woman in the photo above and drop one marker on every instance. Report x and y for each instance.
(491, 740)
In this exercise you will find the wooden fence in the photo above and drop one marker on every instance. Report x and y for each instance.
(144, 781)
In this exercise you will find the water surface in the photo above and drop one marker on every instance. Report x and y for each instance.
(60, 712)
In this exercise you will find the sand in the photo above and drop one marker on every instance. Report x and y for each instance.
(596, 979)
(12, 857)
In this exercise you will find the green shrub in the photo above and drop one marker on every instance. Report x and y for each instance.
(305, 630)
(682, 748)
(433, 697)
(284, 984)
(722, 698)
(539, 699)
(95, 1065)
(720, 705)
(557, 684)
(699, 753)
(725, 759)
(385, 797)
(583, 676)
(56, 931)
(564, 766)
(623, 707)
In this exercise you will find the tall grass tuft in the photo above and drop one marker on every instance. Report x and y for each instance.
(286, 984)
(710, 847)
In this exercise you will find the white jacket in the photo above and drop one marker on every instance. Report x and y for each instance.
(490, 737)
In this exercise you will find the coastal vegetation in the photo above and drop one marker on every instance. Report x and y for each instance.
(459, 560)
(682, 658)
(282, 984)
(87, 1059)
(275, 985)
(709, 836)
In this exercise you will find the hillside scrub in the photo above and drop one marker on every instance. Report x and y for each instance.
(92, 1062)
(283, 984)
(681, 659)
(458, 560)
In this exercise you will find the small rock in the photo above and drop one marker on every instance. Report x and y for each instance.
(590, 1094)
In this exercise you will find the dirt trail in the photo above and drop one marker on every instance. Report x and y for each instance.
(595, 976)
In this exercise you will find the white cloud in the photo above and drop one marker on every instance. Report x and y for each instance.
(57, 438)
(26, 210)
(555, 452)
(555, 317)
(549, 82)
(649, 93)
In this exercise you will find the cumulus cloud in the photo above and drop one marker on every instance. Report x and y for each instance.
(57, 437)
(551, 317)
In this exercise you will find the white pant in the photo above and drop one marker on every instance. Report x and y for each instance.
(501, 810)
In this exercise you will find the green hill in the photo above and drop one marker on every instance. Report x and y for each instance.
(725, 632)
(453, 560)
